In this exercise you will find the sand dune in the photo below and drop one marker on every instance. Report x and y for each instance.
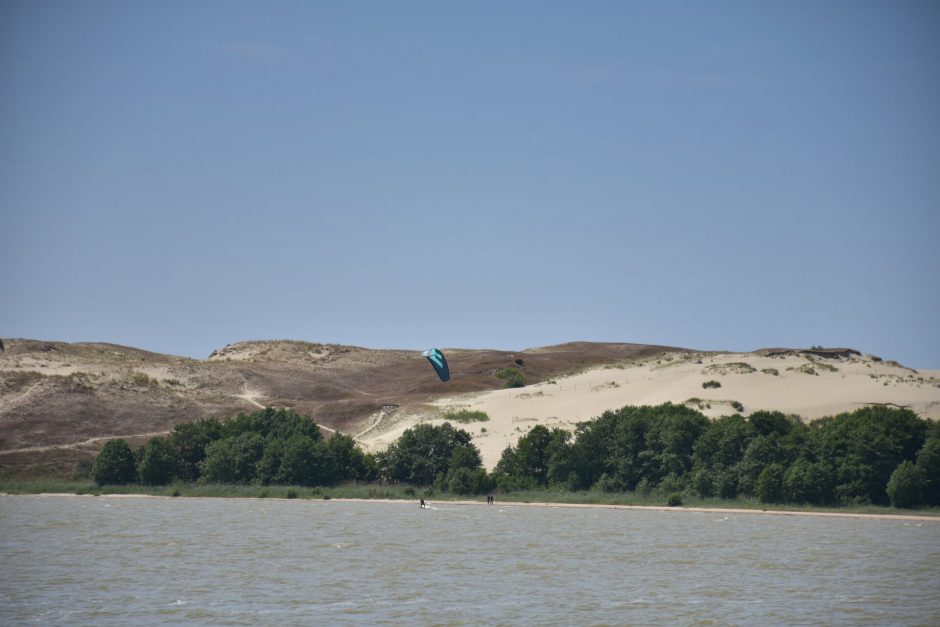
(803, 384)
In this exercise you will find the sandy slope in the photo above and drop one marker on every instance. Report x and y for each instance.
(806, 385)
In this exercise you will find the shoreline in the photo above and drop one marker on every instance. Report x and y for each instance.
(654, 508)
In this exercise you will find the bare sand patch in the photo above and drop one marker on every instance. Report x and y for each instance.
(806, 385)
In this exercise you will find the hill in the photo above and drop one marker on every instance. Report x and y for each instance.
(810, 384)
(59, 402)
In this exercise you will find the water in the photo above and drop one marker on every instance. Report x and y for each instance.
(119, 561)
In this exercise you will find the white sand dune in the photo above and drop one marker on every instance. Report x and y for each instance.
(806, 385)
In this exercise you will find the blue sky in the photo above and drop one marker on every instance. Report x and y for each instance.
(177, 176)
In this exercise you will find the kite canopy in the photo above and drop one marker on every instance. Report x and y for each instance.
(437, 360)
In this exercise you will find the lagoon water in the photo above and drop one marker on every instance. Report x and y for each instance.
(85, 560)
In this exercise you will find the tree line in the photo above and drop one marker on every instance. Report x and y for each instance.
(875, 455)
(280, 446)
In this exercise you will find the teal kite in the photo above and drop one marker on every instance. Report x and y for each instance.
(437, 360)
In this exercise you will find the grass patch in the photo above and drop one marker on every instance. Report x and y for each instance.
(698, 402)
(141, 379)
(820, 364)
(734, 367)
(711, 384)
(771, 371)
(805, 369)
(466, 415)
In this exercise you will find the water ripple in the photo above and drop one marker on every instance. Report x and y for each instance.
(218, 561)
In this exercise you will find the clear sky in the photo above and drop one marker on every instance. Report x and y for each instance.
(177, 176)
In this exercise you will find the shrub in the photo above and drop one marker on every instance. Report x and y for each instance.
(466, 415)
(928, 460)
(157, 462)
(701, 483)
(83, 469)
(769, 486)
(608, 483)
(644, 487)
(292, 494)
(806, 482)
(672, 483)
(675, 499)
(115, 464)
(906, 485)
(711, 384)
(425, 453)
(233, 459)
(141, 379)
(512, 377)
(468, 481)
(737, 406)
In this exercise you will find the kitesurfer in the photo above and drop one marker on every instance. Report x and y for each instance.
(422, 504)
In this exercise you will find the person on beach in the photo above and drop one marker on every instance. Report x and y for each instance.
(489, 499)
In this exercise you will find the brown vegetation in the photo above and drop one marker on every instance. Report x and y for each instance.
(59, 402)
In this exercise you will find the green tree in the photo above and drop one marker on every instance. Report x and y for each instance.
(671, 436)
(467, 481)
(190, 441)
(529, 458)
(701, 482)
(761, 451)
(770, 422)
(272, 423)
(305, 461)
(906, 485)
(635, 443)
(718, 452)
(928, 460)
(350, 462)
(268, 468)
(424, 453)
(158, 461)
(770, 484)
(540, 457)
(808, 482)
(865, 447)
(115, 464)
(233, 459)
(724, 441)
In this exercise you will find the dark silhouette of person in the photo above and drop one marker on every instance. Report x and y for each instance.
(422, 504)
